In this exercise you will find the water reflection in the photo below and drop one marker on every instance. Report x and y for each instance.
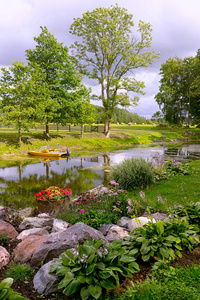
(19, 183)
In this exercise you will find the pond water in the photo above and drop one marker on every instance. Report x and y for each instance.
(19, 183)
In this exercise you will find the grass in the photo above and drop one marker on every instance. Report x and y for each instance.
(184, 285)
(177, 189)
(121, 136)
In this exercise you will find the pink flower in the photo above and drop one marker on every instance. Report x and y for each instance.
(129, 209)
(82, 211)
(129, 202)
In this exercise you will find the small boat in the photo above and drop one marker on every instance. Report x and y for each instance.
(45, 151)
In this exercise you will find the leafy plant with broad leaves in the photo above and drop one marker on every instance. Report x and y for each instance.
(7, 293)
(163, 239)
(89, 269)
(189, 210)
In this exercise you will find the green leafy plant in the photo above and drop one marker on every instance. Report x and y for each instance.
(164, 170)
(189, 210)
(89, 269)
(19, 272)
(163, 269)
(7, 293)
(4, 238)
(162, 239)
(133, 173)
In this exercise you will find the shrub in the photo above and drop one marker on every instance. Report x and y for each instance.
(133, 173)
(89, 269)
(19, 272)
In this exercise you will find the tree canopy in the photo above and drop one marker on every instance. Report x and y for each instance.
(179, 93)
(107, 52)
(61, 79)
(20, 92)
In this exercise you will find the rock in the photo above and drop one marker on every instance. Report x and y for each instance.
(25, 249)
(105, 228)
(159, 216)
(139, 222)
(59, 225)
(8, 228)
(55, 245)
(25, 213)
(41, 221)
(45, 283)
(32, 231)
(115, 232)
(123, 222)
(4, 257)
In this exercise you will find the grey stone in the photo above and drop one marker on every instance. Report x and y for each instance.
(45, 222)
(45, 283)
(59, 225)
(138, 222)
(55, 245)
(32, 231)
(26, 212)
(123, 222)
(105, 228)
(115, 232)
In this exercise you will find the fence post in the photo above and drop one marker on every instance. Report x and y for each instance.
(69, 127)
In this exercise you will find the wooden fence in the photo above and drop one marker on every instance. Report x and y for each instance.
(70, 128)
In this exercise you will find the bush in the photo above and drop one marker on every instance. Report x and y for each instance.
(133, 173)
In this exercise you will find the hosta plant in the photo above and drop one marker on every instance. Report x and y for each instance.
(89, 269)
(7, 293)
(163, 239)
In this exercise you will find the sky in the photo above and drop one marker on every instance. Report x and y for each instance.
(175, 24)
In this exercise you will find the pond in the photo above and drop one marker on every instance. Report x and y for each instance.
(19, 183)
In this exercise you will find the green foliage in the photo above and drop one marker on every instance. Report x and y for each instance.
(65, 93)
(110, 57)
(89, 269)
(189, 210)
(4, 238)
(133, 173)
(164, 170)
(163, 270)
(19, 272)
(102, 206)
(7, 293)
(163, 239)
(20, 92)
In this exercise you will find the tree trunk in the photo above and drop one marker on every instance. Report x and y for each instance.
(106, 127)
(81, 131)
(19, 132)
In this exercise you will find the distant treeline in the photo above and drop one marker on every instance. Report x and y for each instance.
(120, 116)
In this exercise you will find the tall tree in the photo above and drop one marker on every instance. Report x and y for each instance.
(61, 78)
(170, 98)
(20, 92)
(107, 53)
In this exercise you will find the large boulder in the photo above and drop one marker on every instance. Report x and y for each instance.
(69, 238)
(33, 231)
(45, 283)
(41, 221)
(5, 227)
(25, 249)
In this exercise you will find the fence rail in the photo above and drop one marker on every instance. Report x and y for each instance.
(59, 127)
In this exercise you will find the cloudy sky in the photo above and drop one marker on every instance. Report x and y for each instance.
(175, 23)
